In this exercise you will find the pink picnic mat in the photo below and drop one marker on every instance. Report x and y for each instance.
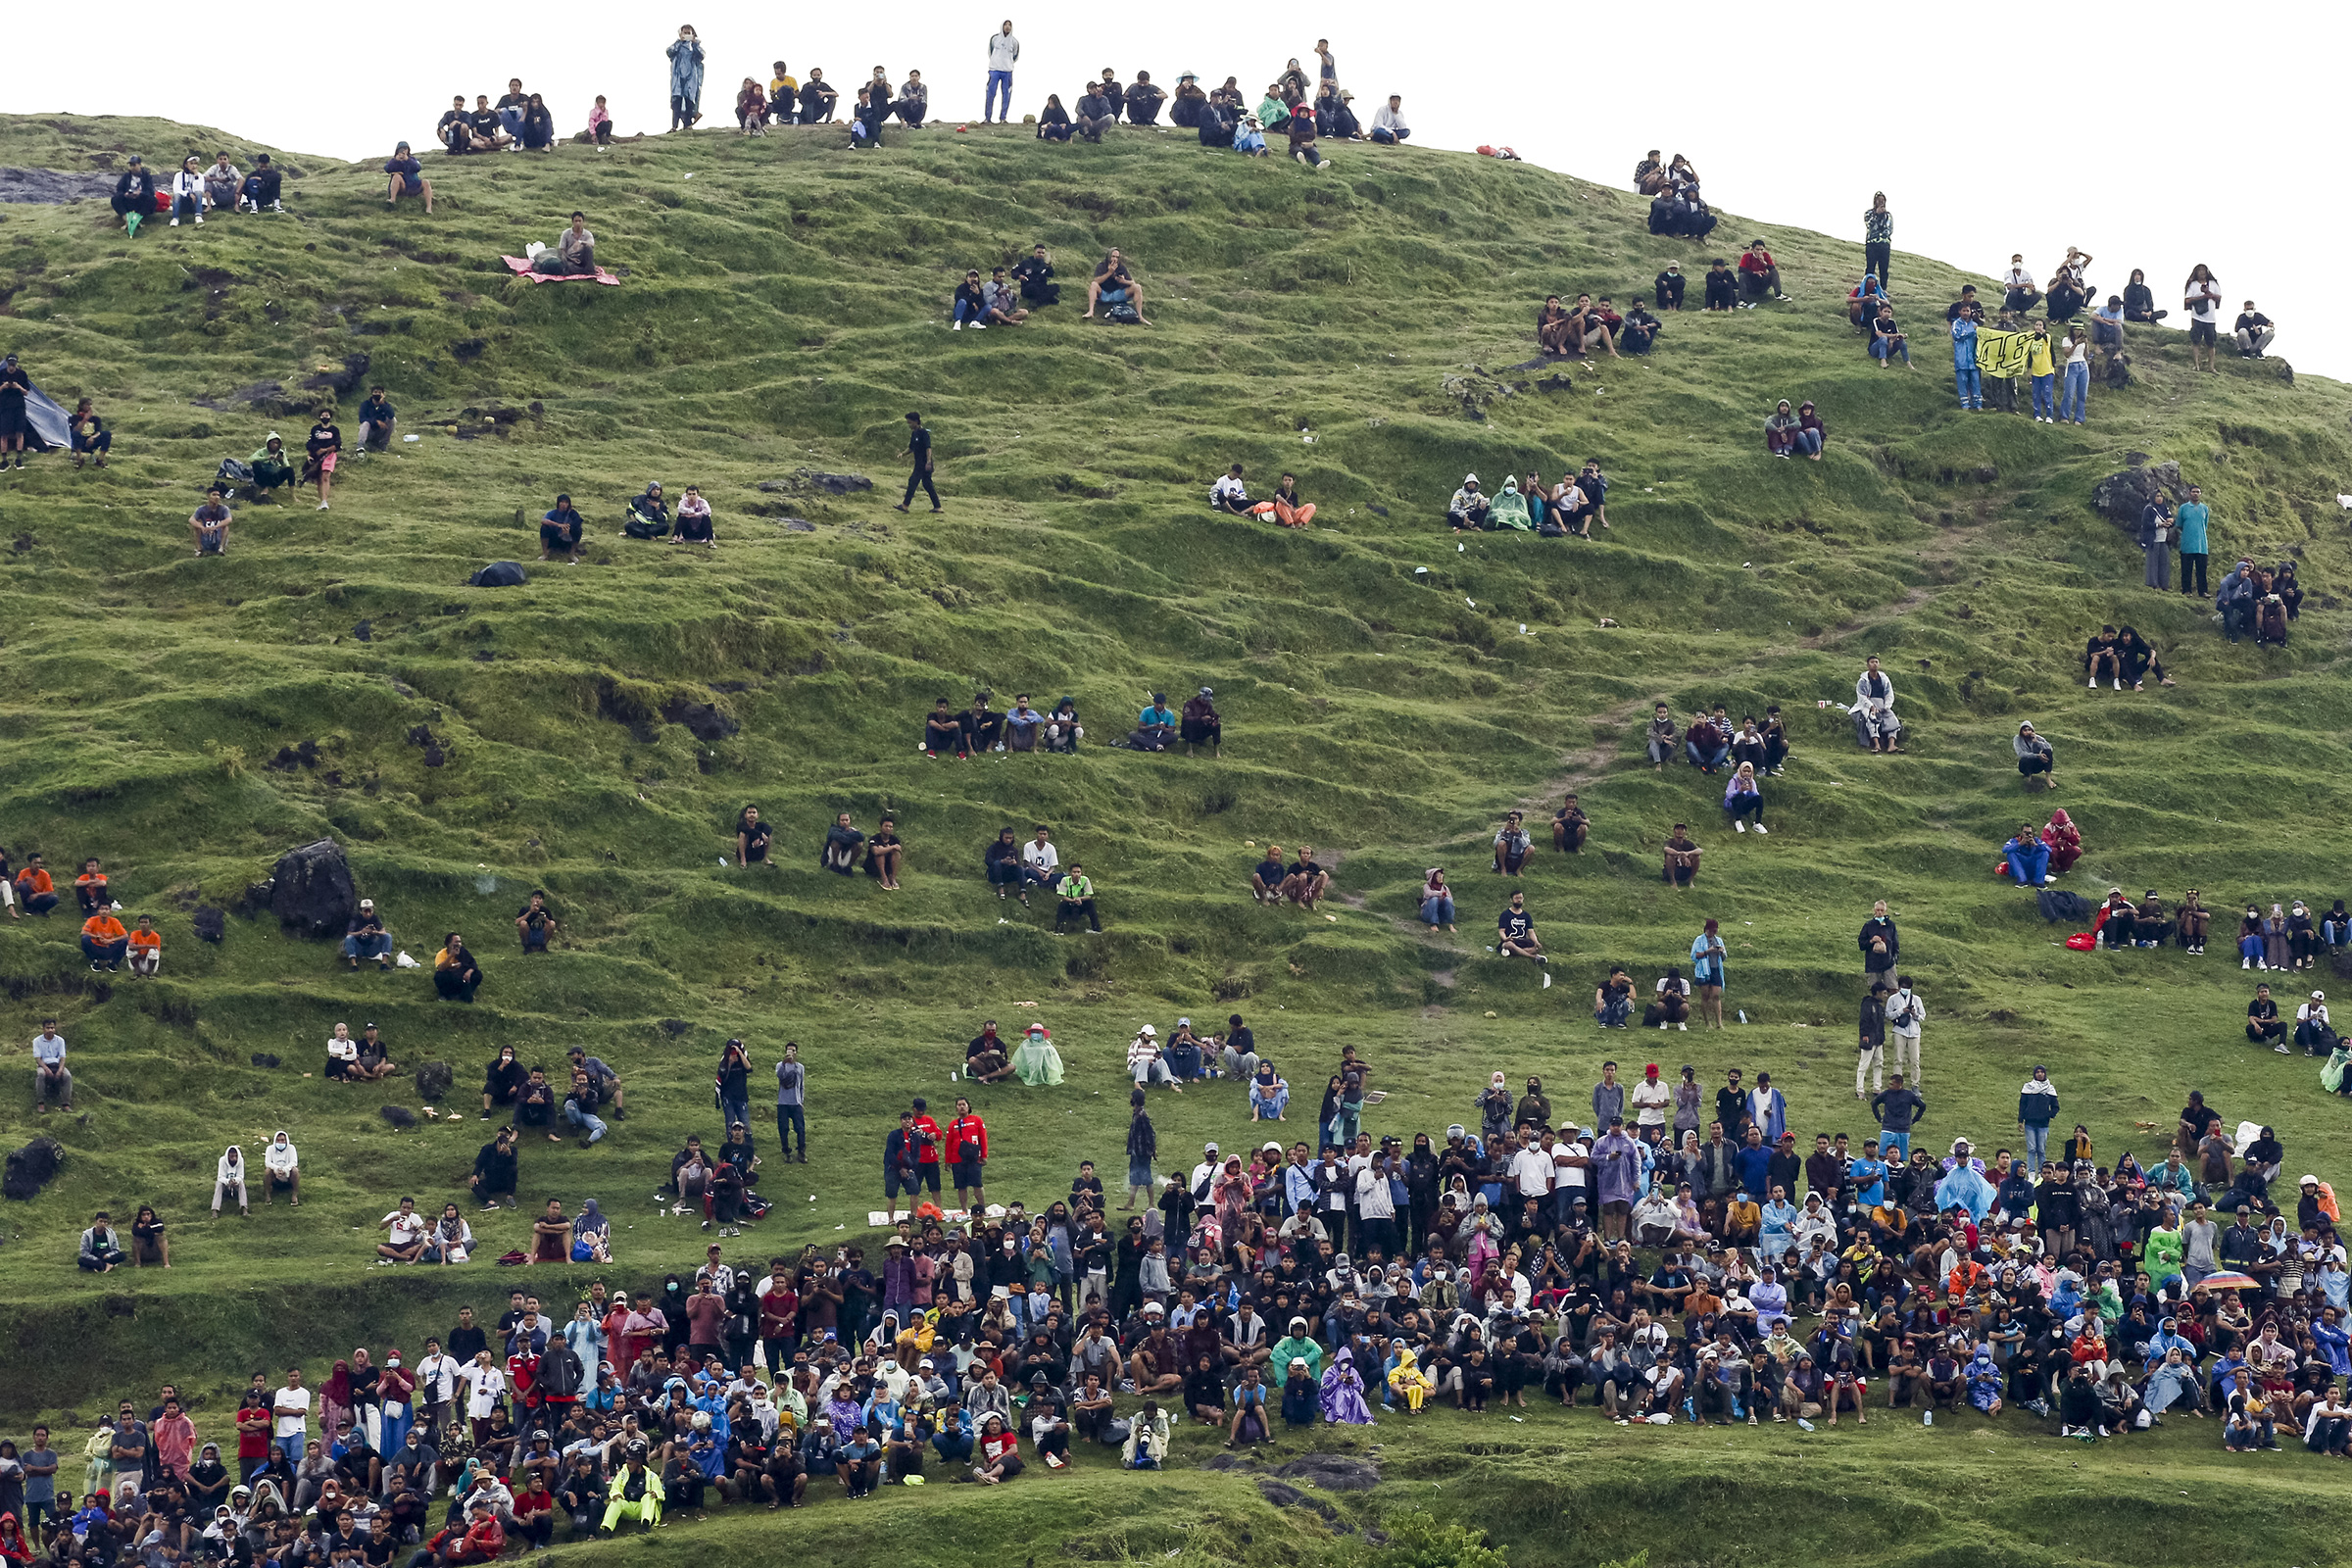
(521, 268)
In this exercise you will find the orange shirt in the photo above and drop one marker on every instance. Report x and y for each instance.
(85, 882)
(103, 927)
(32, 879)
(147, 939)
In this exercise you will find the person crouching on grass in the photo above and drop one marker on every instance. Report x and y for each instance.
(209, 523)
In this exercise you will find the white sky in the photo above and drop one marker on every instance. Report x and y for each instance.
(2148, 133)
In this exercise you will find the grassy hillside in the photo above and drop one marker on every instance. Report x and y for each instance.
(1385, 693)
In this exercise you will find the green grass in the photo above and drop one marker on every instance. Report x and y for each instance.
(785, 306)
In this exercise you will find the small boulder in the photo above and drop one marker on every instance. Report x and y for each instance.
(674, 1027)
(2124, 495)
(400, 1116)
(434, 1080)
(500, 574)
(311, 890)
(2286, 373)
(1333, 1472)
(210, 923)
(32, 1169)
(264, 1059)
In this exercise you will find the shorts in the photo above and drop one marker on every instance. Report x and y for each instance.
(967, 1173)
(2204, 332)
(1113, 296)
(895, 1182)
(1616, 1207)
(326, 462)
(1139, 1173)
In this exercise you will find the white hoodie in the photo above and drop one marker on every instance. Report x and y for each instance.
(279, 1157)
(229, 1171)
(1002, 50)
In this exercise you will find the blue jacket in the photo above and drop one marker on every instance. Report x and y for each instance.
(1964, 344)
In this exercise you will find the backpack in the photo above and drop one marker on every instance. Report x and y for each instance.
(232, 472)
(499, 574)
(1122, 312)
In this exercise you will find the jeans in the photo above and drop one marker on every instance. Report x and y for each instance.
(2076, 392)
(1971, 382)
(2045, 405)
(98, 952)
(732, 1111)
(1712, 758)
(1809, 442)
(1436, 910)
(1615, 1014)
(1388, 138)
(293, 1443)
(965, 311)
(1895, 1146)
(377, 948)
(1877, 257)
(1887, 348)
(790, 1116)
(2037, 1143)
(589, 1119)
(998, 80)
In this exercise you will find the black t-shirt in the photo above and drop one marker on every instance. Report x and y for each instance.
(1272, 873)
(1515, 924)
(1307, 869)
(2252, 322)
(323, 438)
(919, 447)
(2201, 1117)
(755, 838)
(983, 1043)
(1242, 1040)
(13, 385)
(2261, 1009)
(536, 919)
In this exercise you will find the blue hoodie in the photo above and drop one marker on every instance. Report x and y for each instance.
(1964, 344)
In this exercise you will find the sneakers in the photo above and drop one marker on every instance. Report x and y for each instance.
(2280, 1047)
(200, 220)
(958, 327)
(2245, 963)
(1739, 826)
(1682, 1027)
(175, 223)
(1761, 828)
(979, 326)
(321, 505)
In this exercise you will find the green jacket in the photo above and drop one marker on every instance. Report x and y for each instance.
(1297, 1348)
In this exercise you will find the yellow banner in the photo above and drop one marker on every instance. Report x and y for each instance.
(2002, 352)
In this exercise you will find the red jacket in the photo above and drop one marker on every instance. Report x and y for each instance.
(964, 1130)
(1750, 262)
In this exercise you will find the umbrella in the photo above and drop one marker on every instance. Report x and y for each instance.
(2229, 1279)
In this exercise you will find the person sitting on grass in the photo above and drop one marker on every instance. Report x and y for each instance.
(342, 1054)
(1876, 726)
(456, 976)
(1570, 827)
(1198, 724)
(2035, 755)
(270, 466)
(561, 532)
(1682, 854)
(1511, 846)
(1266, 878)
(884, 853)
(90, 437)
(1640, 331)
(405, 177)
(983, 727)
(374, 1059)
(693, 519)
(1516, 931)
(209, 523)
(1779, 431)
(1722, 286)
(1467, 511)
(146, 953)
(1113, 284)
(941, 733)
(364, 937)
(840, 851)
(104, 941)
(1289, 509)
(1743, 798)
(2139, 658)
(35, 890)
(648, 515)
(1811, 433)
(90, 889)
(101, 1250)
(1000, 305)
(535, 922)
(1886, 340)
(406, 1231)
(2028, 858)
(1307, 883)
(1437, 899)
(1076, 893)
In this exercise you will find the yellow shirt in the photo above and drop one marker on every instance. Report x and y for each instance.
(2038, 357)
(780, 86)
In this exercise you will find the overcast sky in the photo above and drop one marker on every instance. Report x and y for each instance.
(2148, 134)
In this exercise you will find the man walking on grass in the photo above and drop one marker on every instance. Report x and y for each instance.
(918, 448)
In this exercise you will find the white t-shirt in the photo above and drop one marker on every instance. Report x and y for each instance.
(405, 1228)
(2204, 301)
(293, 1407)
(1651, 1099)
(1531, 1168)
(483, 1385)
(1228, 488)
(437, 1378)
(343, 1050)
(1570, 1178)
(1039, 856)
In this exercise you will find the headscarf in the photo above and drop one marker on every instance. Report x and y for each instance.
(591, 1220)
(338, 1384)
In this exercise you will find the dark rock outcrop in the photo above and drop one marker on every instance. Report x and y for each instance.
(32, 1169)
(311, 890)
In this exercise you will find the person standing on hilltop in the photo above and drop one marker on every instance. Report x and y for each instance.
(1878, 239)
(685, 80)
(1004, 51)
(919, 449)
